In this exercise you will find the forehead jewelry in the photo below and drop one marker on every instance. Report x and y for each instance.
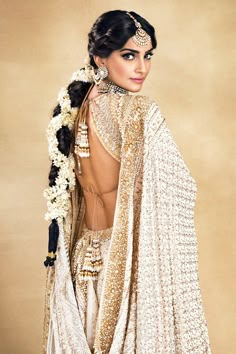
(141, 38)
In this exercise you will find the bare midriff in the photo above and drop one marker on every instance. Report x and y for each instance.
(99, 181)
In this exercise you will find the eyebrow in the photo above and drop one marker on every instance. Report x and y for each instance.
(135, 51)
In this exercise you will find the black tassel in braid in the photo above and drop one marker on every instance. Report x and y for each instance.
(77, 91)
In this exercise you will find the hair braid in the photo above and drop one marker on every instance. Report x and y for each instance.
(77, 91)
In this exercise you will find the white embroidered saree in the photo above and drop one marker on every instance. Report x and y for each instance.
(151, 300)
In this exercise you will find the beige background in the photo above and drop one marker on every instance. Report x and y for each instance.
(192, 79)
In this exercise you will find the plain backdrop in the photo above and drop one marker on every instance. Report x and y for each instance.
(192, 80)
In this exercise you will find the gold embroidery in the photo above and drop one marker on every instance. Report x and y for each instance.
(105, 117)
(114, 278)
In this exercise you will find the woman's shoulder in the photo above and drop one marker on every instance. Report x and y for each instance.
(127, 107)
(141, 100)
(140, 104)
(126, 99)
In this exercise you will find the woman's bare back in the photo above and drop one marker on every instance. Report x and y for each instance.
(99, 180)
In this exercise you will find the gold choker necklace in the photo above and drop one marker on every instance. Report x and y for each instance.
(111, 87)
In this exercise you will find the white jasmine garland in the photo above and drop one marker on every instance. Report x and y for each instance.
(85, 74)
(58, 196)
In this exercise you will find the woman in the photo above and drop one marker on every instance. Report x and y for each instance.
(121, 199)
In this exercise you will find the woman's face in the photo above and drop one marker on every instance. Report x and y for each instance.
(129, 66)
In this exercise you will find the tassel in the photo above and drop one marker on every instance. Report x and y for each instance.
(84, 150)
(52, 243)
(81, 142)
(92, 262)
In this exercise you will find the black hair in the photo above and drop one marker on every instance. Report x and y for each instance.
(110, 32)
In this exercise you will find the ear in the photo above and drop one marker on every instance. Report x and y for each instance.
(98, 60)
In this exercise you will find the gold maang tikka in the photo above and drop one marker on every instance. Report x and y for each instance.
(141, 38)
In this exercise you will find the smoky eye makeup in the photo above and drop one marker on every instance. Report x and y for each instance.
(131, 55)
(149, 55)
(128, 55)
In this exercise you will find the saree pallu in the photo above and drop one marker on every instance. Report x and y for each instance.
(151, 299)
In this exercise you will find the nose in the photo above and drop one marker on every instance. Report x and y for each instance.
(141, 66)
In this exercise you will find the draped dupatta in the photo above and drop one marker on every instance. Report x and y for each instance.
(151, 300)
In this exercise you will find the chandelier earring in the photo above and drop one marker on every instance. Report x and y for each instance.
(100, 74)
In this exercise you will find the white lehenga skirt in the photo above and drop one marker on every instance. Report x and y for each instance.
(90, 251)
